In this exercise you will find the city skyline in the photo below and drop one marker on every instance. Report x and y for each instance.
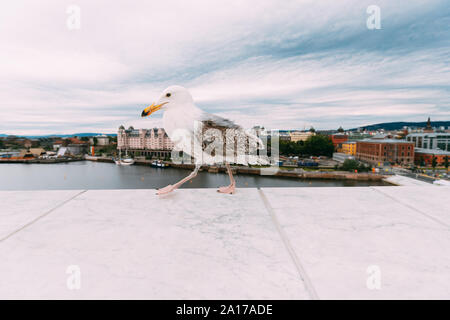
(283, 70)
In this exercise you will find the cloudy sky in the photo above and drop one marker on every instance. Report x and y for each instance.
(281, 64)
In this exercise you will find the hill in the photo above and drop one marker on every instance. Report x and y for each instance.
(400, 125)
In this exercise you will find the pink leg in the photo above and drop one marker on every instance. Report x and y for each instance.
(171, 188)
(231, 188)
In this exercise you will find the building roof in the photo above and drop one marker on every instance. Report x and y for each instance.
(432, 151)
(385, 141)
(37, 151)
(148, 132)
(429, 134)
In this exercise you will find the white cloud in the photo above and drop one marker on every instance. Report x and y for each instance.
(280, 64)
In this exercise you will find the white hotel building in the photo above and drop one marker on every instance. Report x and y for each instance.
(430, 140)
(144, 142)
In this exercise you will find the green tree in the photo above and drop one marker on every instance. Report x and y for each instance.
(350, 165)
(434, 163)
(363, 168)
(422, 162)
(318, 145)
(340, 130)
(65, 142)
(289, 148)
(446, 162)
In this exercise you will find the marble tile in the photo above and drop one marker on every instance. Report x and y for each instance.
(406, 181)
(17, 208)
(338, 233)
(434, 202)
(193, 244)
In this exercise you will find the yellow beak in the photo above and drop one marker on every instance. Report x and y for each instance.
(149, 110)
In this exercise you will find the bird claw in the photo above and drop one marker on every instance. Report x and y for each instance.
(228, 189)
(165, 190)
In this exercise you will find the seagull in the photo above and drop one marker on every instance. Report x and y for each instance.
(188, 126)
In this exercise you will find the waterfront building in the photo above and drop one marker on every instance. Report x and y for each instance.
(341, 157)
(338, 140)
(62, 152)
(300, 135)
(9, 154)
(36, 152)
(283, 135)
(102, 140)
(430, 140)
(349, 147)
(425, 156)
(77, 149)
(144, 142)
(380, 151)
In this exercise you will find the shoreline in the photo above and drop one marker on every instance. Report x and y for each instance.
(295, 173)
(330, 175)
(46, 161)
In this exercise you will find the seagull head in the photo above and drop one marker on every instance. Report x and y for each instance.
(171, 97)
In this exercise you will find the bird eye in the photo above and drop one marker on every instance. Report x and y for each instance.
(168, 95)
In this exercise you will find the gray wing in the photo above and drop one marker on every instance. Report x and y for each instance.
(220, 123)
(236, 141)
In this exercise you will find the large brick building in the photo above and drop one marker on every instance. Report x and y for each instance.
(380, 151)
(144, 142)
(349, 148)
(425, 156)
(338, 140)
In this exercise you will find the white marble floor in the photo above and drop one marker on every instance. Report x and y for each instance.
(273, 243)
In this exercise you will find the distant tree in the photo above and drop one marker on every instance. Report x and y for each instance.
(363, 168)
(289, 148)
(446, 162)
(65, 142)
(350, 165)
(434, 162)
(422, 162)
(2, 144)
(95, 141)
(312, 129)
(318, 145)
(84, 139)
(340, 129)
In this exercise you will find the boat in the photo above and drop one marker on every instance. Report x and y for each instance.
(158, 164)
(127, 161)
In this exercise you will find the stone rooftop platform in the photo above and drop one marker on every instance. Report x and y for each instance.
(271, 243)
